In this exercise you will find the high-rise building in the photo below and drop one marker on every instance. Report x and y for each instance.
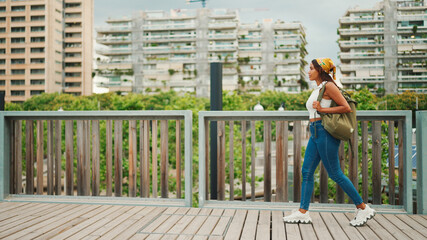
(385, 48)
(172, 51)
(45, 46)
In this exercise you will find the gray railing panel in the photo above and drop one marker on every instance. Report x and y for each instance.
(421, 134)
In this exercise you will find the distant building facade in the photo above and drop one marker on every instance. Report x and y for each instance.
(45, 46)
(385, 48)
(160, 51)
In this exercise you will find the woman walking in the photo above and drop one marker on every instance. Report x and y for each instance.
(323, 146)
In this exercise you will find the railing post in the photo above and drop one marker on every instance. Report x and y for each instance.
(202, 163)
(421, 134)
(407, 167)
(188, 153)
(4, 156)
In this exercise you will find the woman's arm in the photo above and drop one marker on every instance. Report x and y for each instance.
(334, 93)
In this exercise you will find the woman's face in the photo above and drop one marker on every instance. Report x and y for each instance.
(313, 74)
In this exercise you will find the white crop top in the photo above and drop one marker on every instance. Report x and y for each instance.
(324, 103)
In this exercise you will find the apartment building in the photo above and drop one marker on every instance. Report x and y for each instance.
(173, 51)
(45, 46)
(385, 48)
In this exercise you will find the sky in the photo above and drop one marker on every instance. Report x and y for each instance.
(319, 17)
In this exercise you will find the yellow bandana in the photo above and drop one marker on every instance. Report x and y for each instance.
(327, 65)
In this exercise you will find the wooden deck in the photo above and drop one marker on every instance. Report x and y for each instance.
(23, 220)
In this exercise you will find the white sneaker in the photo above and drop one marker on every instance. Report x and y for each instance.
(298, 217)
(362, 216)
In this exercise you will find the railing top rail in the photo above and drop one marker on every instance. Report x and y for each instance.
(95, 115)
(296, 115)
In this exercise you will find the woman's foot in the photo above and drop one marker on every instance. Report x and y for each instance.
(362, 216)
(298, 217)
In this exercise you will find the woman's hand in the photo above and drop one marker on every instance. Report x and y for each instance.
(316, 105)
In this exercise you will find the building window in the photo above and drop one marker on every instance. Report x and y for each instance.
(17, 93)
(72, 5)
(37, 7)
(2, 82)
(18, 50)
(37, 71)
(74, 74)
(18, 40)
(18, 8)
(73, 55)
(36, 92)
(37, 29)
(2, 51)
(72, 84)
(2, 40)
(2, 72)
(17, 61)
(73, 45)
(17, 82)
(2, 30)
(18, 71)
(18, 19)
(73, 24)
(17, 29)
(37, 82)
(2, 19)
(2, 61)
(37, 39)
(73, 64)
(2, 9)
(37, 50)
(73, 15)
(37, 60)
(37, 18)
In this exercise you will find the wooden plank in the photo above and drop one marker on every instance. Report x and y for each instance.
(320, 226)
(376, 162)
(164, 158)
(236, 226)
(132, 158)
(414, 224)
(404, 227)
(109, 157)
(391, 180)
(178, 159)
(307, 232)
(181, 224)
(365, 231)
(243, 133)
(249, 229)
(400, 146)
(12, 215)
(297, 161)
(332, 224)
(286, 160)
(292, 230)
(365, 184)
(419, 219)
(208, 225)
(154, 163)
(231, 159)
(323, 184)
(118, 153)
(40, 145)
(263, 227)
(221, 226)
(353, 159)
(58, 157)
(253, 151)
(69, 157)
(221, 160)
(387, 225)
(267, 161)
(279, 162)
(195, 225)
(95, 158)
(29, 156)
(50, 156)
(80, 158)
(18, 154)
(207, 156)
(351, 231)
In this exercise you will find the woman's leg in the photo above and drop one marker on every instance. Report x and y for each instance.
(328, 150)
(311, 161)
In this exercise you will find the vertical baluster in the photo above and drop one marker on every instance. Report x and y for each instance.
(12, 177)
(400, 139)
(285, 164)
(376, 162)
(297, 161)
(243, 160)
(267, 161)
(69, 157)
(118, 153)
(18, 156)
(29, 156)
(207, 158)
(253, 151)
(86, 146)
(58, 154)
(146, 160)
(354, 162)
(231, 161)
(154, 157)
(279, 162)
(391, 184)
(95, 157)
(50, 157)
(178, 159)
(164, 158)
(341, 156)
(132, 158)
(40, 146)
(80, 158)
(221, 160)
(109, 157)
(365, 177)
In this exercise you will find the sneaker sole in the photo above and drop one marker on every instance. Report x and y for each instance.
(298, 221)
(364, 222)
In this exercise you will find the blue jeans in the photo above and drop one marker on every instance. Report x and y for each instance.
(322, 145)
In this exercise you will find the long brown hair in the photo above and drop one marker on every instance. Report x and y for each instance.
(323, 75)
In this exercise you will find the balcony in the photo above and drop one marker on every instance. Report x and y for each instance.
(222, 48)
(412, 78)
(113, 40)
(364, 55)
(222, 25)
(222, 36)
(177, 26)
(362, 31)
(354, 67)
(113, 29)
(349, 80)
(250, 38)
(249, 49)
(363, 19)
(360, 43)
(167, 38)
(413, 41)
(111, 51)
(125, 64)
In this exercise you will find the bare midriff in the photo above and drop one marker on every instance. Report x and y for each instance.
(315, 119)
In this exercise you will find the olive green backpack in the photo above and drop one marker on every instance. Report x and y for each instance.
(339, 125)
